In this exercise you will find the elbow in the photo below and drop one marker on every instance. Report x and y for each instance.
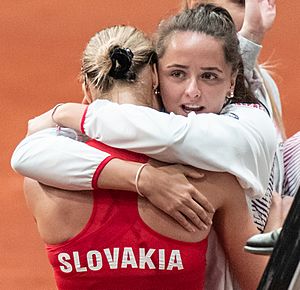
(16, 162)
(19, 160)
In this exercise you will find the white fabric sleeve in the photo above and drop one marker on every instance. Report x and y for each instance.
(249, 52)
(53, 158)
(240, 141)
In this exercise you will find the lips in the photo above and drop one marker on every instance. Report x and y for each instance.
(192, 108)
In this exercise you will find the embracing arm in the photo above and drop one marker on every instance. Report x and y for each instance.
(245, 133)
(59, 161)
(56, 159)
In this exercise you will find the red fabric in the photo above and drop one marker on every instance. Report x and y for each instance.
(117, 250)
(83, 119)
(99, 170)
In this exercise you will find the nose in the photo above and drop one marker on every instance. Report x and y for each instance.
(193, 89)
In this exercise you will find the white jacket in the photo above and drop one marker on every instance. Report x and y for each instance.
(241, 140)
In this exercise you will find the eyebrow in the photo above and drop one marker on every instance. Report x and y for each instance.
(209, 68)
(212, 68)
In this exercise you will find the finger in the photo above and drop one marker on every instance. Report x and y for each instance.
(197, 215)
(192, 172)
(181, 219)
(199, 198)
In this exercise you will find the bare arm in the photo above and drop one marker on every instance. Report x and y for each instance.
(278, 211)
(234, 225)
(259, 18)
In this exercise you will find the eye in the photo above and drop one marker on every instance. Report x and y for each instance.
(177, 74)
(209, 76)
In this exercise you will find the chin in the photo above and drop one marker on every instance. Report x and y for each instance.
(180, 114)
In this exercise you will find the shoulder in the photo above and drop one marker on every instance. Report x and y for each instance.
(243, 108)
(249, 115)
(223, 190)
(51, 206)
(255, 125)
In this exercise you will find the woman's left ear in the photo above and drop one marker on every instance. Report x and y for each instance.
(157, 102)
(154, 75)
(233, 80)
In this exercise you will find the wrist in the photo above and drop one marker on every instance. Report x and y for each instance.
(54, 114)
(137, 178)
(119, 174)
(143, 179)
(253, 35)
(69, 115)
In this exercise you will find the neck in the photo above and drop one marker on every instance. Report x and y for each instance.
(127, 96)
(131, 94)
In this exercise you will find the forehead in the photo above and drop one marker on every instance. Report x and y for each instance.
(194, 43)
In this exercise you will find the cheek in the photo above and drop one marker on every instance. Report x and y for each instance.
(216, 106)
(170, 95)
(169, 99)
(215, 100)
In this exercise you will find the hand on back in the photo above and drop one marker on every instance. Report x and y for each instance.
(168, 188)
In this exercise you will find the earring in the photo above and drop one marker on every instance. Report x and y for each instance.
(156, 91)
(231, 95)
(228, 98)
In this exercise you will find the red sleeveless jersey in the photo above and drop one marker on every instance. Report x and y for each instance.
(117, 250)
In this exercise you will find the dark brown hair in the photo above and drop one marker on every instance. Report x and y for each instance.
(216, 22)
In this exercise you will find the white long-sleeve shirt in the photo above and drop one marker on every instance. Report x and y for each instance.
(258, 78)
(241, 140)
(56, 158)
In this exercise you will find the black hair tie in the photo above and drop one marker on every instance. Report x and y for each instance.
(121, 59)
